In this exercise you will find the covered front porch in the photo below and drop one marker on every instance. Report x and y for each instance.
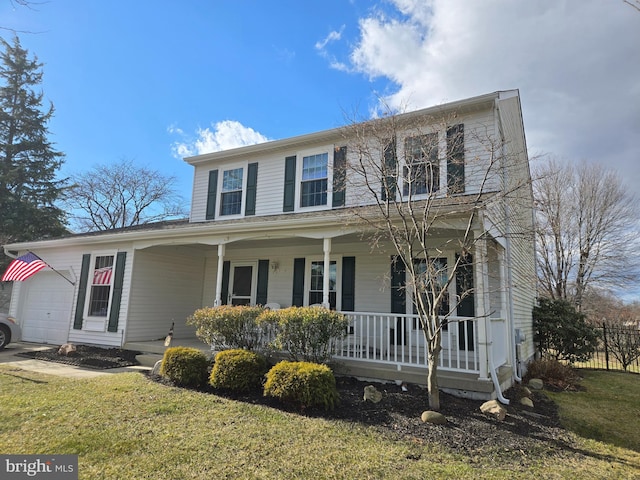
(391, 347)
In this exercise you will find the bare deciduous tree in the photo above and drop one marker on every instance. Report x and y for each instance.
(424, 186)
(586, 224)
(121, 195)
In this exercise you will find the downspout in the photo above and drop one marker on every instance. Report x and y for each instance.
(507, 212)
(487, 319)
(494, 376)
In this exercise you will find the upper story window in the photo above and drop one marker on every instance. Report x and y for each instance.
(313, 189)
(421, 170)
(100, 290)
(231, 197)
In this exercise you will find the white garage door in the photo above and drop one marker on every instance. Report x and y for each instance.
(47, 308)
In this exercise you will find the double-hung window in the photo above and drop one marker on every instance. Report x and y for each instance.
(431, 279)
(314, 180)
(101, 280)
(421, 171)
(317, 283)
(231, 196)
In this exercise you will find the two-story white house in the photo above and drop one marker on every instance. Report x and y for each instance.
(280, 223)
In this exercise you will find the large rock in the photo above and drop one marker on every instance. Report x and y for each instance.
(536, 383)
(372, 394)
(67, 349)
(494, 408)
(433, 417)
(526, 401)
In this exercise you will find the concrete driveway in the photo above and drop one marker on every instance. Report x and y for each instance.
(8, 357)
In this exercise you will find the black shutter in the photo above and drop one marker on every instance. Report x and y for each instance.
(226, 269)
(348, 284)
(398, 298)
(211, 195)
(252, 187)
(82, 291)
(339, 176)
(466, 306)
(117, 292)
(455, 158)
(298, 282)
(398, 279)
(390, 171)
(288, 204)
(263, 282)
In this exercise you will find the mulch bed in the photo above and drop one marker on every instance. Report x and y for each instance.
(468, 431)
(89, 357)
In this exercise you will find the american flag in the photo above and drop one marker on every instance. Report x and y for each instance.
(102, 276)
(23, 267)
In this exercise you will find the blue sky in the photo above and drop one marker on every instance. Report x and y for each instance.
(151, 81)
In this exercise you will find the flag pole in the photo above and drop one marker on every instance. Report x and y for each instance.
(72, 283)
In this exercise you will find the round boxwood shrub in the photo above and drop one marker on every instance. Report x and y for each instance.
(304, 384)
(239, 370)
(185, 366)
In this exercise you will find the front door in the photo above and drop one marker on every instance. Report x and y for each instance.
(242, 283)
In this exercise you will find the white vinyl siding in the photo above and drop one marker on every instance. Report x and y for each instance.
(167, 288)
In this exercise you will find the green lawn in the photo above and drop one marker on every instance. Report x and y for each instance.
(124, 426)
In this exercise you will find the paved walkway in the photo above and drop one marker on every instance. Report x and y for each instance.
(8, 357)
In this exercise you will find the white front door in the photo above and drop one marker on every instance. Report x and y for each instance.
(242, 285)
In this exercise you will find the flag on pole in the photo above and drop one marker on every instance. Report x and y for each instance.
(23, 267)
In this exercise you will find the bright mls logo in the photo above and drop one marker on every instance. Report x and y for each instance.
(58, 467)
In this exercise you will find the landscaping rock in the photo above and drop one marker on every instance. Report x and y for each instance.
(67, 349)
(526, 401)
(494, 408)
(525, 392)
(433, 417)
(536, 383)
(372, 394)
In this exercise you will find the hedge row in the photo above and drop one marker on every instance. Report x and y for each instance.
(303, 384)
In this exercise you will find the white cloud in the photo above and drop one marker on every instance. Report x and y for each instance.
(576, 64)
(332, 37)
(225, 135)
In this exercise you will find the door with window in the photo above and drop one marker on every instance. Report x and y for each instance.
(242, 292)
(317, 283)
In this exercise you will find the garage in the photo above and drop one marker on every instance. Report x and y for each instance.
(46, 310)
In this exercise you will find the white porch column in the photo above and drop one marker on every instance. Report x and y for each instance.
(327, 269)
(218, 300)
(481, 283)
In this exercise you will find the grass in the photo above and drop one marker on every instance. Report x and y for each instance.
(124, 426)
(607, 410)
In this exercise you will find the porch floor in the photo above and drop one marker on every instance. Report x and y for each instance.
(157, 346)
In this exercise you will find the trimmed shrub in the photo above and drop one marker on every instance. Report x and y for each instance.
(238, 370)
(553, 373)
(307, 333)
(228, 326)
(185, 366)
(562, 332)
(303, 384)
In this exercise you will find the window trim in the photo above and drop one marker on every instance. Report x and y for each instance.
(242, 191)
(94, 319)
(329, 151)
(449, 256)
(307, 278)
(424, 162)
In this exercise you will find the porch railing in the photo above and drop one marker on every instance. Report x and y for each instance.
(397, 339)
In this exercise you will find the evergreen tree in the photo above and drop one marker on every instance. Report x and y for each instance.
(28, 160)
